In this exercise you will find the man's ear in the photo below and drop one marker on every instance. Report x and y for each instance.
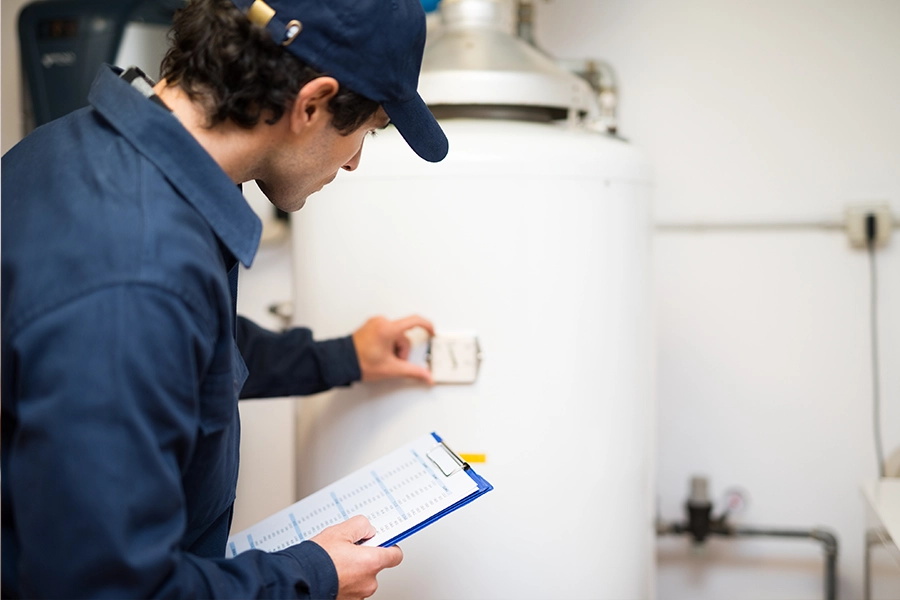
(311, 104)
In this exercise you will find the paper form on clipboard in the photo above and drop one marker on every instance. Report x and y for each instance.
(400, 493)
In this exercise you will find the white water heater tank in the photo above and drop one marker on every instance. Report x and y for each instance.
(536, 237)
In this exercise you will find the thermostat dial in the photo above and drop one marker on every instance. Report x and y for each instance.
(454, 358)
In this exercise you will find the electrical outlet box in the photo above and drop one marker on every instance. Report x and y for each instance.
(855, 220)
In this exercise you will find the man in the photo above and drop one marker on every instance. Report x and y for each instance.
(123, 230)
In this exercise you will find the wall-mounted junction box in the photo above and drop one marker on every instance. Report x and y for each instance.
(856, 220)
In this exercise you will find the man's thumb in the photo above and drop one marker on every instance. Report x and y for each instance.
(357, 529)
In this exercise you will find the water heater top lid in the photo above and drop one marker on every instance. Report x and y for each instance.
(474, 60)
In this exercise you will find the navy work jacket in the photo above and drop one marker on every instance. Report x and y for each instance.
(122, 364)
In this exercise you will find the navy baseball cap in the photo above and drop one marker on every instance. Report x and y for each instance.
(374, 47)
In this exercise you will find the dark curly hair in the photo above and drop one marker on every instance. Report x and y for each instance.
(237, 72)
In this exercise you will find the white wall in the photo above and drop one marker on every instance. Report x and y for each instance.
(761, 111)
(268, 474)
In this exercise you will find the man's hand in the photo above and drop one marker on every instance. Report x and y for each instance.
(356, 566)
(383, 349)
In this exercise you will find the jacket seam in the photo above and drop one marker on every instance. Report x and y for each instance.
(30, 317)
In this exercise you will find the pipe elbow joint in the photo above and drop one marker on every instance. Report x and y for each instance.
(828, 539)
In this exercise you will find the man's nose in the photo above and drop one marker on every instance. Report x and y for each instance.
(353, 162)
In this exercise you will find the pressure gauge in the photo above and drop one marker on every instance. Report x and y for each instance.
(454, 358)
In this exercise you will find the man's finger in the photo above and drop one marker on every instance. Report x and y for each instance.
(401, 346)
(391, 556)
(401, 368)
(356, 528)
(407, 323)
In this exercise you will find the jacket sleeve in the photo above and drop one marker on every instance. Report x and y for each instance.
(108, 415)
(292, 363)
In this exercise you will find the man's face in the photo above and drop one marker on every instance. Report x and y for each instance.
(309, 163)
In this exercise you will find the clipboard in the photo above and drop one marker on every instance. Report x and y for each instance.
(483, 487)
(401, 493)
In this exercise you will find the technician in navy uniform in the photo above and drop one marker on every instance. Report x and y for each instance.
(123, 359)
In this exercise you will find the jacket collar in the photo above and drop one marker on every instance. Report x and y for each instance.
(161, 138)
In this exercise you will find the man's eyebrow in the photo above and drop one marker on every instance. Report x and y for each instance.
(387, 121)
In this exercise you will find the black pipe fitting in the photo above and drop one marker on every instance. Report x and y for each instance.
(700, 524)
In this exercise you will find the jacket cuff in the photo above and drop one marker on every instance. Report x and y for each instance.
(317, 568)
(340, 365)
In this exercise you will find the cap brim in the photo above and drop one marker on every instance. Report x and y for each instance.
(419, 128)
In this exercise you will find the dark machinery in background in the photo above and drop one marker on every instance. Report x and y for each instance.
(64, 42)
(700, 524)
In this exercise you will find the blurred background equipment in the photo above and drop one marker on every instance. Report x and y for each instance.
(701, 524)
(64, 42)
